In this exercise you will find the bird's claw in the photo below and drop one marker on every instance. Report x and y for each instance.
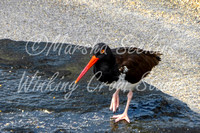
(121, 117)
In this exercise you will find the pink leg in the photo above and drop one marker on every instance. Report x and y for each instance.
(115, 101)
(124, 116)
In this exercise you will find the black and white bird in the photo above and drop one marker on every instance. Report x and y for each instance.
(125, 65)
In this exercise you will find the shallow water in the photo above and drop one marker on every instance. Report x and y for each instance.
(33, 109)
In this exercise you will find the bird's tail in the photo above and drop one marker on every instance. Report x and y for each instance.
(157, 55)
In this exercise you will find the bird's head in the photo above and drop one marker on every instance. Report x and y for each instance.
(101, 51)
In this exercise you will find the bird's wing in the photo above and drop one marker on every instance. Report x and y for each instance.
(138, 62)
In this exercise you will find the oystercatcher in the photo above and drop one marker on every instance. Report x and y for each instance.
(122, 67)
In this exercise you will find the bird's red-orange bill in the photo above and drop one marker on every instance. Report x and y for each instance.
(93, 60)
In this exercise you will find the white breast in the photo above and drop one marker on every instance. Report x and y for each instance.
(122, 84)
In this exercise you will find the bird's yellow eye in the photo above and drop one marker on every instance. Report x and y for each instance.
(102, 51)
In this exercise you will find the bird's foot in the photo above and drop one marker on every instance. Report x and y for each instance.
(123, 116)
(115, 101)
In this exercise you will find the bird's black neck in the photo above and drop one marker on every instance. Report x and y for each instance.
(108, 69)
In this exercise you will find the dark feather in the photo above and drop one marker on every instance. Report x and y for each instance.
(138, 62)
(111, 64)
